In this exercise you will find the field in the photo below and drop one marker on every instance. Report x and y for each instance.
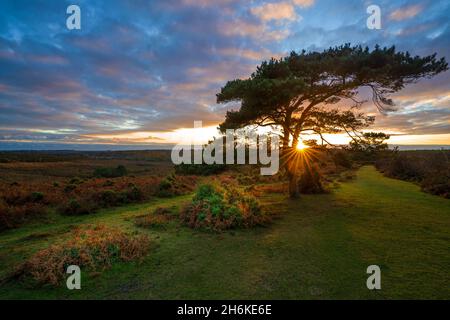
(34, 183)
(318, 246)
(29, 166)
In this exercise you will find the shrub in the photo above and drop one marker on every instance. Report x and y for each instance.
(31, 196)
(158, 218)
(341, 158)
(119, 171)
(108, 183)
(108, 198)
(161, 211)
(69, 188)
(18, 204)
(171, 186)
(14, 216)
(94, 249)
(219, 208)
(310, 181)
(199, 169)
(134, 194)
(87, 196)
(75, 207)
(4, 215)
(205, 191)
(269, 188)
(164, 189)
(16, 197)
(346, 176)
(403, 168)
(151, 221)
(75, 180)
(36, 197)
(437, 184)
(431, 169)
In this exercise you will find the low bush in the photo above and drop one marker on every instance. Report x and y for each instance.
(76, 207)
(248, 180)
(14, 216)
(119, 171)
(132, 194)
(108, 198)
(161, 211)
(347, 176)
(218, 208)
(75, 180)
(18, 204)
(151, 221)
(270, 188)
(437, 184)
(430, 169)
(158, 218)
(165, 188)
(36, 197)
(310, 181)
(199, 169)
(16, 196)
(102, 199)
(401, 166)
(69, 188)
(342, 158)
(93, 249)
(108, 183)
(174, 185)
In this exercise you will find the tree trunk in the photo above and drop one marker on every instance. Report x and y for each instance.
(290, 171)
(293, 186)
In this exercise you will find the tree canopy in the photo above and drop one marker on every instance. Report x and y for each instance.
(370, 142)
(295, 92)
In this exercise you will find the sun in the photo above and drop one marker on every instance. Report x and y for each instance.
(301, 146)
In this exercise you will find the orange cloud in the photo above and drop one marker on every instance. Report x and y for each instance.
(206, 3)
(275, 11)
(247, 53)
(405, 13)
(303, 3)
(241, 28)
(257, 31)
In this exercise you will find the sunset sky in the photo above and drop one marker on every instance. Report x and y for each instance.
(140, 72)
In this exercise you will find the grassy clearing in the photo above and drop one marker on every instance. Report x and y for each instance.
(319, 248)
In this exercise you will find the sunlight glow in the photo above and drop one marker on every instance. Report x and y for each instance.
(202, 135)
(301, 146)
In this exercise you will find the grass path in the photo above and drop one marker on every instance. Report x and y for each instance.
(319, 248)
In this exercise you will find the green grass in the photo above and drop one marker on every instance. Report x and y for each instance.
(319, 248)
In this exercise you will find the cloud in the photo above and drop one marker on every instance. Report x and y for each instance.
(208, 3)
(250, 54)
(259, 31)
(241, 28)
(155, 66)
(406, 12)
(407, 31)
(275, 11)
(303, 3)
(416, 122)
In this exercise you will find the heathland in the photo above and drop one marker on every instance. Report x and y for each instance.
(141, 230)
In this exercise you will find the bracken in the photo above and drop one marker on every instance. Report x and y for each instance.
(94, 249)
(219, 208)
